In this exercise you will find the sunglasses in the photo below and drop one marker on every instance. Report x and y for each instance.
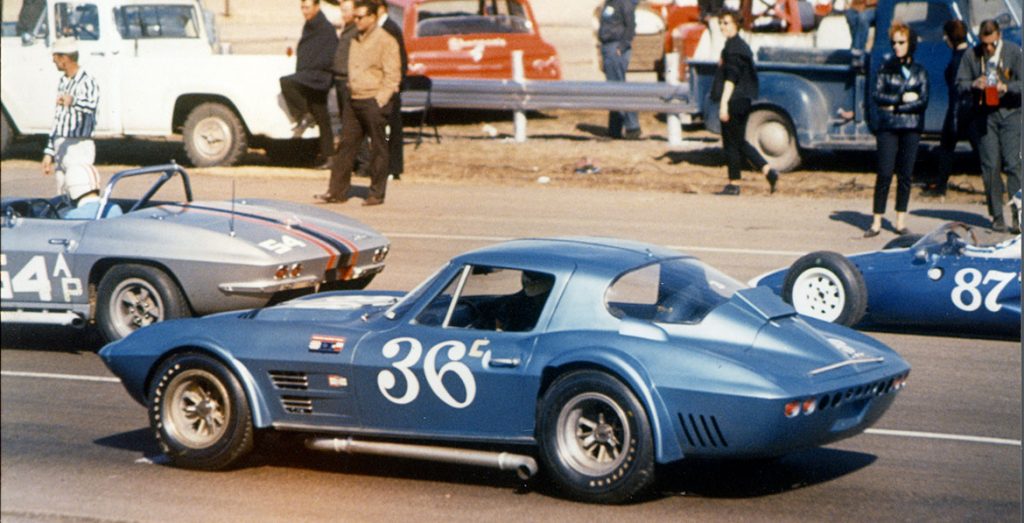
(899, 42)
(360, 17)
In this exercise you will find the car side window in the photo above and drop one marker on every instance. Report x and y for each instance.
(81, 21)
(490, 298)
(466, 17)
(681, 290)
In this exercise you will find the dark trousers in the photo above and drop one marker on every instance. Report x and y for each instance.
(734, 141)
(999, 148)
(396, 137)
(301, 100)
(897, 151)
(953, 130)
(361, 119)
(615, 66)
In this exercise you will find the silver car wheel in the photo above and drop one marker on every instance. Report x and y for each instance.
(135, 304)
(818, 293)
(196, 413)
(593, 434)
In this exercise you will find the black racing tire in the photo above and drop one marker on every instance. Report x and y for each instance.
(6, 134)
(772, 134)
(903, 241)
(618, 463)
(132, 296)
(827, 286)
(199, 413)
(214, 135)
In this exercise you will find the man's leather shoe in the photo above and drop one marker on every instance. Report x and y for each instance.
(372, 201)
(329, 198)
(730, 190)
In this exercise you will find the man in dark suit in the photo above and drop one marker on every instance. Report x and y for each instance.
(396, 136)
(305, 91)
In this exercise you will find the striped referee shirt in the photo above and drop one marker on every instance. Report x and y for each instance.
(77, 120)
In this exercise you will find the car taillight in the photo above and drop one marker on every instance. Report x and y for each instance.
(792, 409)
(281, 272)
(809, 406)
(295, 270)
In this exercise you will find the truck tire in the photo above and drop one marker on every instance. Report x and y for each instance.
(773, 136)
(214, 135)
(6, 134)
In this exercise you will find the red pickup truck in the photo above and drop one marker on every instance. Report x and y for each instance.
(473, 39)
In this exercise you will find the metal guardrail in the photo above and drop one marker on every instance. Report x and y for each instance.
(548, 95)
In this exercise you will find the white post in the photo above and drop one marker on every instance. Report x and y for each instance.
(519, 76)
(675, 128)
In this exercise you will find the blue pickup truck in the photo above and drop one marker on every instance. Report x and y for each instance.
(807, 95)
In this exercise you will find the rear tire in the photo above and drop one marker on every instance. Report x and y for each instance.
(214, 135)
(595, 438)
(199, 413)
(132, 296)
(6, 134)
(827, 286)
(903, 241)
(773, 136)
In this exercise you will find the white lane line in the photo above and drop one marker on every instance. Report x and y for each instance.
(685, 248)
(48, 375)
(935, 435)
(879, 432)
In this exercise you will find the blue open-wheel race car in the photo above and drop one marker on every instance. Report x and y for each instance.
(598, 358)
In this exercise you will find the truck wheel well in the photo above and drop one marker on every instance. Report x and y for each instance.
(187, 102)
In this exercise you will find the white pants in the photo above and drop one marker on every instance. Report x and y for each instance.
(71, 151)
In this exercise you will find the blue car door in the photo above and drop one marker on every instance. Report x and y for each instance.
(455, 368)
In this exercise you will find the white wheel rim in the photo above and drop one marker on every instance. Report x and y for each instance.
(819, 293)
(212, 137)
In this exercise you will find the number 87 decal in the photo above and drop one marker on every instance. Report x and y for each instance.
(386, 380)
(966, 295)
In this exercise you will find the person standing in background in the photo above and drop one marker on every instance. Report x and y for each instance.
(374, 74)
(305, 91)
(734, 89)
(860, 16)
(340, 68)
(615, 33)
(396, 135)
(958, 113)
(901, 94)
(74, 119)
(990, 76)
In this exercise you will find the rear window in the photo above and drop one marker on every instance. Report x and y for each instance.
(680, 290)
(463, 17)
(157, 21)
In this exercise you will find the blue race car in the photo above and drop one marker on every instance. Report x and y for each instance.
(944, 281)
(601, 357)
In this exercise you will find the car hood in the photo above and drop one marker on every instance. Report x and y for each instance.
(335, 307)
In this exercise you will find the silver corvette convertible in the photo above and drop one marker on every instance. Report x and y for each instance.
(171, 257)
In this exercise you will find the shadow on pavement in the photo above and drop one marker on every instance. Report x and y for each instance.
(50, 338)
(139, 440)
(970, 218)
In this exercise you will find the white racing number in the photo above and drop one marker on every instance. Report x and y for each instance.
(967, 296)
(34, 278)
(456, 351)
(286, 244)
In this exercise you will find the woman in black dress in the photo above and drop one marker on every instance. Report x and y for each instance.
(901, 96)
(735, 87)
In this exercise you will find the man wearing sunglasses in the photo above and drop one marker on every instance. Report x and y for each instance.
(991, 75)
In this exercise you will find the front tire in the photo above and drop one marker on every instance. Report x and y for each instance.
(133, 296)
(595, 438)
(214, 135)
(6, 134)
(903, 241)
(773, 136)
(199, 413)
(827, 286)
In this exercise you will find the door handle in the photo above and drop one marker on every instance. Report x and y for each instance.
(504, 362)
(98, 53)
(60, 241)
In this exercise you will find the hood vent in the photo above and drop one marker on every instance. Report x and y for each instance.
(289, 380)
(297, 404)
(702, 431)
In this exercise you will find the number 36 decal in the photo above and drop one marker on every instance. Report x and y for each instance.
(456, 351)
(966, 295)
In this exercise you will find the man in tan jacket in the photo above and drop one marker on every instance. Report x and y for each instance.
(374, 74)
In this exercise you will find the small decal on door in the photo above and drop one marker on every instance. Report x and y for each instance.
(328, 344)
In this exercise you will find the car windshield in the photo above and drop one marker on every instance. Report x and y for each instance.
(678, 290)
(410, 299)
(948, 232)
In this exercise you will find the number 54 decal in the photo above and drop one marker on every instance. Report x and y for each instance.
(34, 277)
(386, 380)
(966, 295)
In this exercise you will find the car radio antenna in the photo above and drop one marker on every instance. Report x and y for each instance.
(233, 207)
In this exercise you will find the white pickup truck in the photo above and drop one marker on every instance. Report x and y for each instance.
(160, 69)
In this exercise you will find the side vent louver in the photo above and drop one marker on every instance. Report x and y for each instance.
(289, 380)
(702, 431)
(297, 404)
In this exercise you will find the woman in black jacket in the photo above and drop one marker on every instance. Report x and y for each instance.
(901, 96)
(735, 87)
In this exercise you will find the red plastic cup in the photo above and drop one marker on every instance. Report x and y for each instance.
(991, 96)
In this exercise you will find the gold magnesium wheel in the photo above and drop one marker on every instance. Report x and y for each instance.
(198, 409)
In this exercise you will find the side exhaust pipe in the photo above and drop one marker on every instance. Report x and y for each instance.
(524, 466)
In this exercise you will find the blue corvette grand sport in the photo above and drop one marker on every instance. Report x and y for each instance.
(598, 358)
(943, 281)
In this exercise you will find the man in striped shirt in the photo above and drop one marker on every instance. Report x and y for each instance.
(74, 119)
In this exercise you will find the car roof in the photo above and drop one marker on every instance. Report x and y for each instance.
(609, 256)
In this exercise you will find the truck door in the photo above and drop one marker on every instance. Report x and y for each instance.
(29, 77)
